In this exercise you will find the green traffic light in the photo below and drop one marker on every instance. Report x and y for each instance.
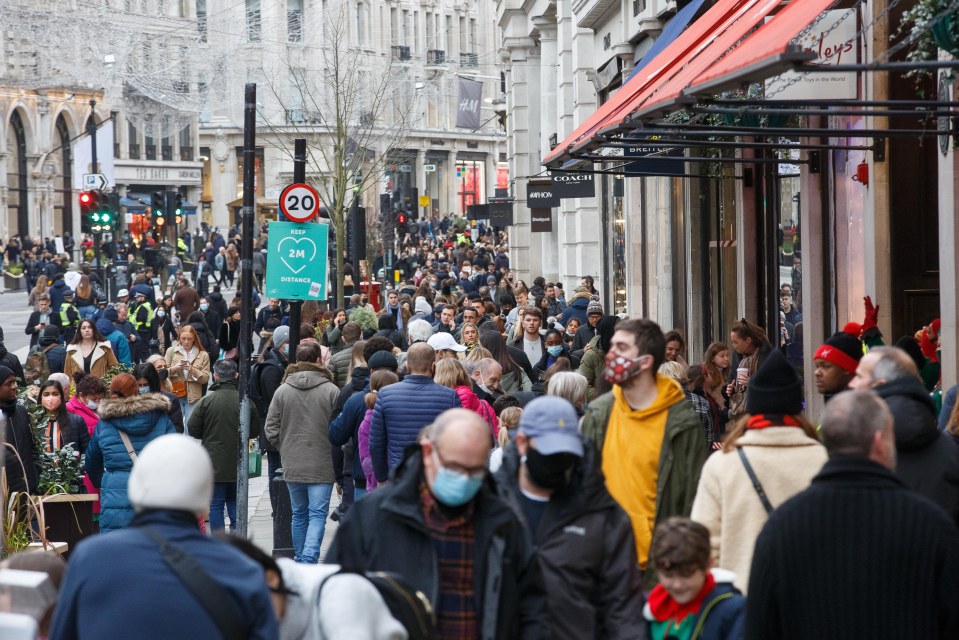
(179, 212)
(105, 217)
(95, 216)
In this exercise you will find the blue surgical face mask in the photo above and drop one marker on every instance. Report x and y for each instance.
(204, 307)
(555, 350)
(144, 390)
(161, 313)
(455, 489)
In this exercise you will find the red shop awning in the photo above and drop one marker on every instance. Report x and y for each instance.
(766, 52)
(727, 50)
(687, 46)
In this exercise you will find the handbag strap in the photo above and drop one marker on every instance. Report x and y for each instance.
(211, 595)
(755, 480)
(128, 445)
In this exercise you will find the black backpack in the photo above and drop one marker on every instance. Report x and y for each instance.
(261, 397)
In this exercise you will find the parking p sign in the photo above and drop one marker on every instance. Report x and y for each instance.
(296, 261)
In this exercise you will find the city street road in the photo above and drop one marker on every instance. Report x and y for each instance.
(14, 314)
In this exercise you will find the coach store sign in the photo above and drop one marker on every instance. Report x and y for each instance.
(573, 185)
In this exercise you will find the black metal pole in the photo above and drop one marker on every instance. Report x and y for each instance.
(299, 176)
(245, 346)
(92, 131)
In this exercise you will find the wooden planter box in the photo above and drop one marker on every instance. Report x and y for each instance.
(13, 283)
(69, 518)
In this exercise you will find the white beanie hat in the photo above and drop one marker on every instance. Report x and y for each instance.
(172, 472)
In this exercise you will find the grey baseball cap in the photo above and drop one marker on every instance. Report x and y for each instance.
(553, 423)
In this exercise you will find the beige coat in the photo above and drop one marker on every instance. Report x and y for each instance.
(196, 378)
(785, 461)
(103, 359)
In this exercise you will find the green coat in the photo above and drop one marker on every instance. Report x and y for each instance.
(681, 458)
(216, 422)
(591, 366)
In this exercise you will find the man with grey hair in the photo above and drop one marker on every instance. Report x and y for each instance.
(826, 559)
(440, 524)
(486, 375)
(215, 421)
(419, 331)
(928, 461)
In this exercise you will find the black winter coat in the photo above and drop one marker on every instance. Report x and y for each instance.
(19, 434)
(927, 460)
(270, 380)
(586, 554)
(8, 359)
(856, 555)
(386, 532)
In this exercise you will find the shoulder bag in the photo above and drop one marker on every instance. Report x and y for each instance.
(755, 480)
(211, 595)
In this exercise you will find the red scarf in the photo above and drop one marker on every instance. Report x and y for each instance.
(763, 420)
(664, 607)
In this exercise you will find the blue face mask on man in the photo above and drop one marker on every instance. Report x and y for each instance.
(453, 488)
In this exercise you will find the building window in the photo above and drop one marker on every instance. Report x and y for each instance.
(17, 201)
(64, 196)
(406, 28)
(166, 141)
(416, 31)
(253, 24)
(294, 20)
(133, 141)
(201, 19)
(394, 26)
(360, 24)
(186, 143)
(463, 34)
(149, 143)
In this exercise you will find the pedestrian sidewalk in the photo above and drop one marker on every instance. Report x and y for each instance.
(260, 524)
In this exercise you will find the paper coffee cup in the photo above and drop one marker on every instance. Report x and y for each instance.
(742, 375)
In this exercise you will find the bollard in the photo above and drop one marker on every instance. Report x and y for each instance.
(282, 518)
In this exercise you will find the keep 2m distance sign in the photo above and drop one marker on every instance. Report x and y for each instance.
(299, 202)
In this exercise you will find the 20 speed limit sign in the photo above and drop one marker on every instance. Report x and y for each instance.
(299, 202)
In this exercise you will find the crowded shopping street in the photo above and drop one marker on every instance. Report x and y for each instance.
(479, 320)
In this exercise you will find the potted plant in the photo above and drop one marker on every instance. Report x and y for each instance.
(13, 276)
(67, 511)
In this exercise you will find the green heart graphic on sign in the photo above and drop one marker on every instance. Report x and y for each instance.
(296, 253)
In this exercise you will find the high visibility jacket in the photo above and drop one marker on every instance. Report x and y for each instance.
(146, 321)
(65, 320)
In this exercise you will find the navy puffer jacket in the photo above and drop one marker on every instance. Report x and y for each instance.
(401, 411)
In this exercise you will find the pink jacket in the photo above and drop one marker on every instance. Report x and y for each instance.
(89, 416)
(363, 444)
(470, 401)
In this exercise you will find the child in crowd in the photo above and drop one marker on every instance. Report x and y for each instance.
(691, 602)
(508, 423)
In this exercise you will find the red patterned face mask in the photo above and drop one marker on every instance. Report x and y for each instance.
(619, 369)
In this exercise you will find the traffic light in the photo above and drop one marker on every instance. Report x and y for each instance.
(87, 206)
(158, 207)
(401, 219)
(95, 214)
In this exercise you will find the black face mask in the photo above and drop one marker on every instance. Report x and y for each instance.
(549, 472)
(163, 374)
